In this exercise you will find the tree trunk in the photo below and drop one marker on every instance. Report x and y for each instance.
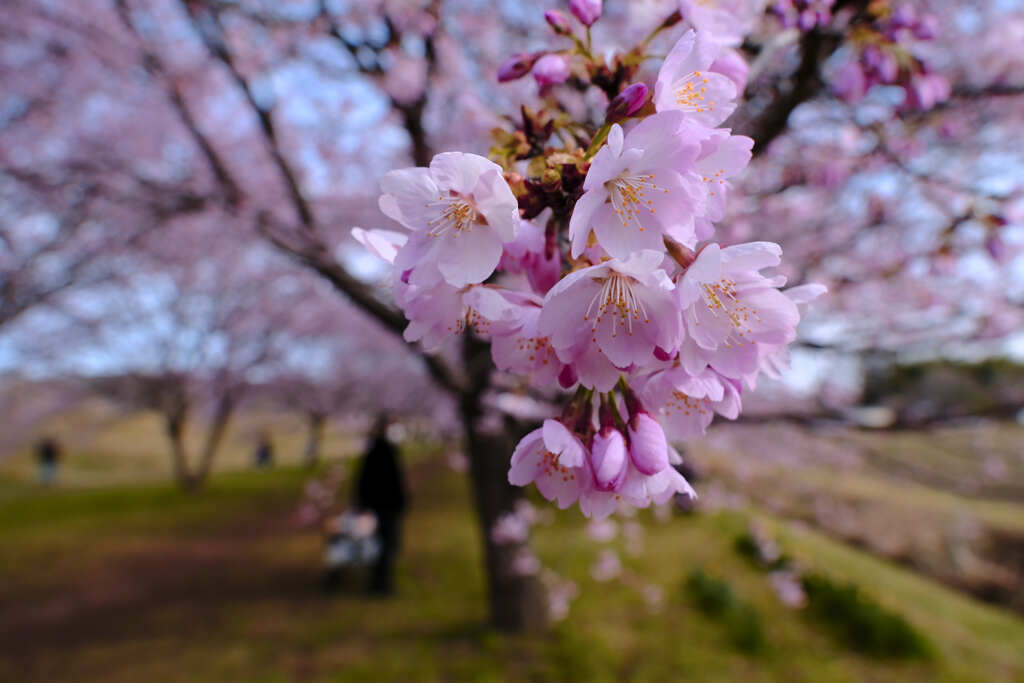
(174, 423)
(517, 602)
(311, 453)
(225, 406)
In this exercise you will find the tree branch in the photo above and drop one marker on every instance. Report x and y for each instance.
(313, 254)
(815, 47)
(154, 66)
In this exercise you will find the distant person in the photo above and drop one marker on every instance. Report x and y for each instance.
(380, 489)
(264, 452)
(48, 453)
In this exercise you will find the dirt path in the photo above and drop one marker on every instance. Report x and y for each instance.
(149, 587)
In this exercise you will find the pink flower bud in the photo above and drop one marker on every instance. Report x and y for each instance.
(608, 459)
(551, 69)
(663, 355)
(567, 376)
(647, 445)
(626, 103)
(587, 11)
(516, 66)
(558, 22)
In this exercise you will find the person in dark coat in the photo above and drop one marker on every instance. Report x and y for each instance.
(47, 453)
(264, 457)
(380, 488)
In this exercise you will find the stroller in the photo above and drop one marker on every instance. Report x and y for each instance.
(350, 544)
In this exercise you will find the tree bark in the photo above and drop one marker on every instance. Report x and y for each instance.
(214, 437)
(517, 602)
(311, 453)
(174, 423)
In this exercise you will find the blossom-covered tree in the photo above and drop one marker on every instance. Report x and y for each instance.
(658, 157)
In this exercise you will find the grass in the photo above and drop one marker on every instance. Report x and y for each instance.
(117, 576)
(860, 621)
(228, 593)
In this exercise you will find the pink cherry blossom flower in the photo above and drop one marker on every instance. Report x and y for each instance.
(688, 402)
(774, 358)
(726, 22)
(686, 82)
(555, 460)
(729, 308)
(636, 190)
(460, 210)
(510, 528)
(436, 313)
(722, 156)
(607, 567)
(535, 255)
(617, 312)
(516, 344)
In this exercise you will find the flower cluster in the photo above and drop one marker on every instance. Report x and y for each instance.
(594, 267)
(883, 57)
(803, 14)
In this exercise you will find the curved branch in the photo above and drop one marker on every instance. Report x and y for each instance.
(815, 47)
(313, 254)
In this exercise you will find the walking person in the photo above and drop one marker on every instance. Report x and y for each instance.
(380, 488)
(48, 454)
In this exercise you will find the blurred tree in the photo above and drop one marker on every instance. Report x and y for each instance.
(277, 118)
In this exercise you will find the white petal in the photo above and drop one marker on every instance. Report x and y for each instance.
(615, 138)
(469, 257)
(460, 171)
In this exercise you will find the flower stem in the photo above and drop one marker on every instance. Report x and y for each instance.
(599, 138)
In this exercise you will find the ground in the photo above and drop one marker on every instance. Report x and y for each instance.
(130, 581)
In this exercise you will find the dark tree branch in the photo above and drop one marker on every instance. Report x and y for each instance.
(212, 35)
(313, 254)
(155, 67)
(805, 83)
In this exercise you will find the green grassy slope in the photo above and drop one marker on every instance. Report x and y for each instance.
(145, 583)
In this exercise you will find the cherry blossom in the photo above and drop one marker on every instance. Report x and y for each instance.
(555, 460)
(609, 316)
(640, 187)
(687, 83)
(460, 210)
(726, 300)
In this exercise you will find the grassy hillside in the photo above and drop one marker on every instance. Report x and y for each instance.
(140, 582)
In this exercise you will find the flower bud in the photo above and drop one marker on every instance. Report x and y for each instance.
(608, 459)
(663, 355)
(647, 445)
(558, 22)
(516, 66)
(551, 180)
(626, 103)
(587, 11)
(567, 376)
(551, 69)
